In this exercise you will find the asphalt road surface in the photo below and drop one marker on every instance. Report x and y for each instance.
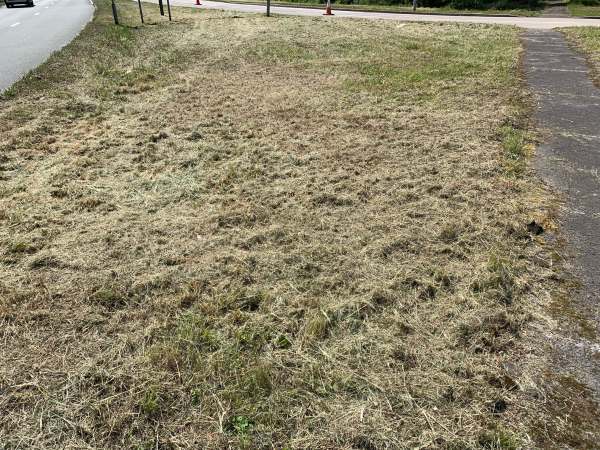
(28, 36)
(542, 23)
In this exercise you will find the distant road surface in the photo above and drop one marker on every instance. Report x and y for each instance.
(542, 23)
(28, 36)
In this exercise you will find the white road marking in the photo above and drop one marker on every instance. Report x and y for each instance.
(36, 14)
(16, 24)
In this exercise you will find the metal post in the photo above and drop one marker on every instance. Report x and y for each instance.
(161, 7)
(169, 9)
(114, 11)
(141, 12)
(268, 8)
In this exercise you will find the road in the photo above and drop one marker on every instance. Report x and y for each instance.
(28, 36)
(541, 23)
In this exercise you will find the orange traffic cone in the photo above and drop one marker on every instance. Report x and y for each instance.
(328, 9)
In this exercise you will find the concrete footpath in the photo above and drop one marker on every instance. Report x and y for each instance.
(568, 113)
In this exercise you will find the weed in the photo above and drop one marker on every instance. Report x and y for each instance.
(240, 425)
(150, 402)
(317, 327)
(516, 150)
(499, 440)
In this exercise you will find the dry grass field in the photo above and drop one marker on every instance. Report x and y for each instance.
(238, 232)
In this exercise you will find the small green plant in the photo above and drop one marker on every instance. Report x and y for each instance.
(9, 93)
(498, 440)
(282, 342)
(150, 402)
(251, 338)
(196, 397)
(240, 425)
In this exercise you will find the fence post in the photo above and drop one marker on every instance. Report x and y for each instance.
(141, 12)
(114, 11)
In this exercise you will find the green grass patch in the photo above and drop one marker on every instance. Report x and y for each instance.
(585, 8)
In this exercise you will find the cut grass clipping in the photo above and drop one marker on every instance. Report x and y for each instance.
(234, 231)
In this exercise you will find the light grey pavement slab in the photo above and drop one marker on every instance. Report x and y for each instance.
(28, 36)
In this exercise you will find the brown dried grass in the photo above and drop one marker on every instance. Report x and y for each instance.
(233, 231)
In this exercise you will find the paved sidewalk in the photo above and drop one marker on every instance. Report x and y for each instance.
(543, 23)
(556, 9)
(569, 112)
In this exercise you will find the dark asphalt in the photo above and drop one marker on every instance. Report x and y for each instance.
(28, 36)
(569, 111)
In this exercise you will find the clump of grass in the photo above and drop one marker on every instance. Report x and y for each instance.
(45, 261)
(150, 402)
(110, 297)
(499, 440)
(516, 149)
(317, 327)
(502, 280)
(21, 247)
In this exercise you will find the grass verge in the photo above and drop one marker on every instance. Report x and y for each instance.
(587, 40)
(235, 231)
(584, 8)
(525, 11)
